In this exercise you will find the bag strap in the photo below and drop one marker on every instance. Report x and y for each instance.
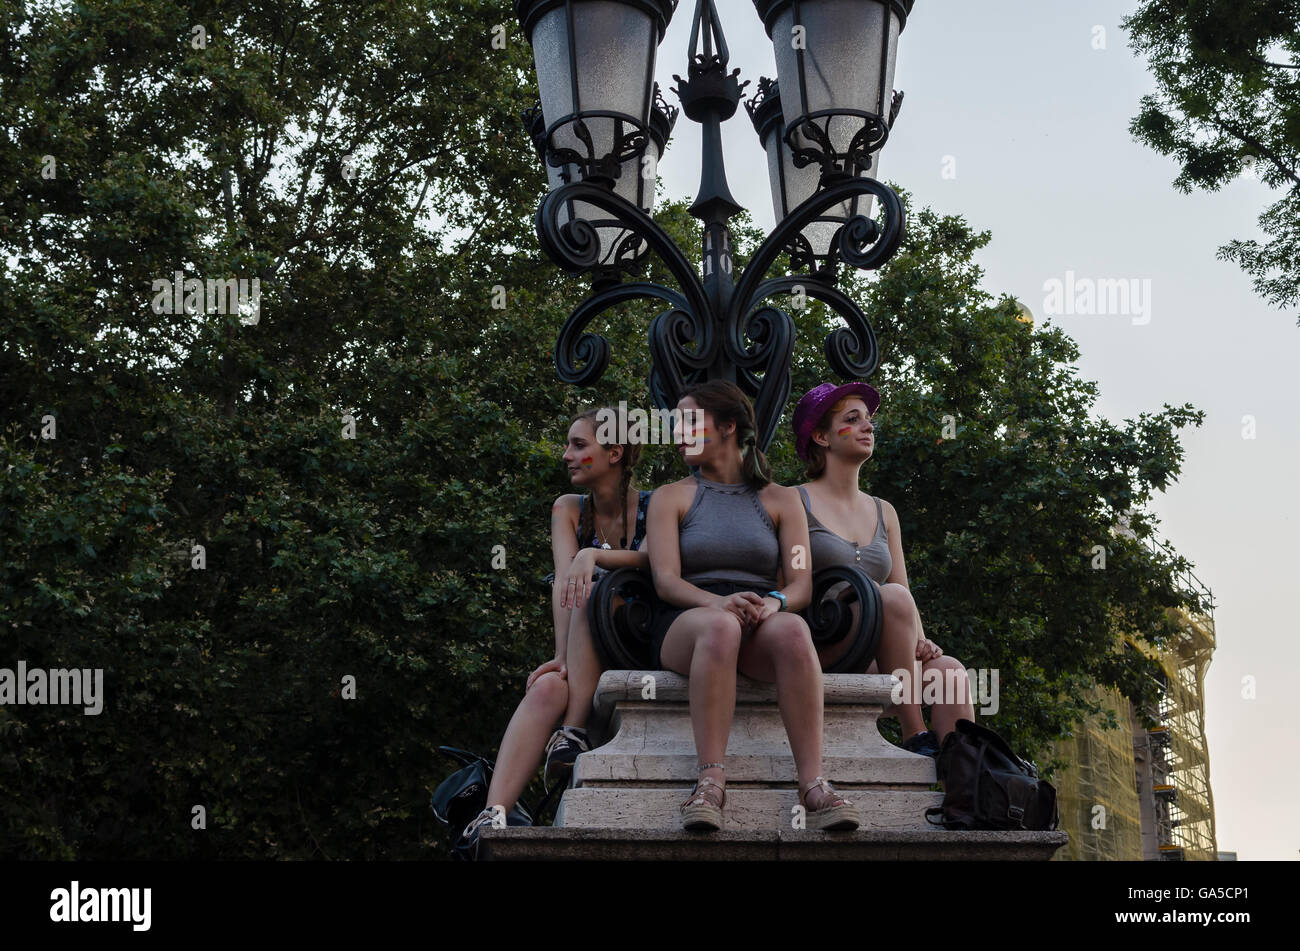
(983, 734)
(979, 776)
(463, 757)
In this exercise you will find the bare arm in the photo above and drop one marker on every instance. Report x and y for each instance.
(792, 531)
(564, 545)
(623, 558)
(667, 506)
(898, 569)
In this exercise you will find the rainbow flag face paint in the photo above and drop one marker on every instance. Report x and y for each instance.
(587, 461)
(843, 433)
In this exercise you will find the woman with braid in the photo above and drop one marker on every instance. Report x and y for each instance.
(591, 533)
(718, 539)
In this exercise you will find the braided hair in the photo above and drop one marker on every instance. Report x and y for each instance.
(727, 403)
(631, 455)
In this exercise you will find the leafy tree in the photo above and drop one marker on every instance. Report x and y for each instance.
(1004, 513)
(1228, 103)
(221, 153)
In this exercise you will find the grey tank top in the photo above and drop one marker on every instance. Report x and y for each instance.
(831, 549)
(727, 535)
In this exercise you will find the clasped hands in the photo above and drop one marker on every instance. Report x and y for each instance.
(750, 608)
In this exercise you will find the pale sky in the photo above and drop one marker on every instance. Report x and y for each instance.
(1034, 119)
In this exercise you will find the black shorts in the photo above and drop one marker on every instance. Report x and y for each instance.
(667, 614)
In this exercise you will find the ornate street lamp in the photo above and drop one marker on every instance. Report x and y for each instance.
(595, 64)
(620, 247)
(835, 60)
(793, 183)
(597, 128)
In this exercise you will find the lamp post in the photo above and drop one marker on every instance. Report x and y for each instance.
(822, 123)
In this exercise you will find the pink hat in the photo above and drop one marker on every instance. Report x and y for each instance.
(814, 404)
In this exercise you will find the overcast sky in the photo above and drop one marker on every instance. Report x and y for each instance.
(1014, 97)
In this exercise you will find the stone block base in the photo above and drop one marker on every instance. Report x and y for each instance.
(551, 844)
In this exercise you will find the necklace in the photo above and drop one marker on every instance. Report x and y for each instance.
(604, 544)
(622, 542)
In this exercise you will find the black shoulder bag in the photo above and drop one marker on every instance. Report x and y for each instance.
(460, 798)
(987, 786)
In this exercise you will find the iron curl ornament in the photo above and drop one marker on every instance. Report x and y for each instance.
(749, 338)
(716, 323)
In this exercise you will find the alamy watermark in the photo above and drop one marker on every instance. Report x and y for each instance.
(949, 685)
(77, 904)
(189, 295)
(656, 427)
(1101, 297)
(82, 687)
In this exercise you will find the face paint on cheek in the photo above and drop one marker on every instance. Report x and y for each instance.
(587, 461)
(844, 433)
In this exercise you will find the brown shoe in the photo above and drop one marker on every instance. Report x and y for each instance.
(837, 814)
(700, 813)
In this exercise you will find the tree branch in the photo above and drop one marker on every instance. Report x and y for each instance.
(1260, 148)
(1264, 62)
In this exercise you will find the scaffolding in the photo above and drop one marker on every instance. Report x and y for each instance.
(1097, 794)
(1182, 800)
(1138, 793)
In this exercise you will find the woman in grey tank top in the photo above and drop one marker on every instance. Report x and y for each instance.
(718, 541)
(835, 435)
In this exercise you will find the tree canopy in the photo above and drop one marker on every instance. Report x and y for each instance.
(1228, 103)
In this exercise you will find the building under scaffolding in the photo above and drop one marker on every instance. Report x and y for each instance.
(1131, 793)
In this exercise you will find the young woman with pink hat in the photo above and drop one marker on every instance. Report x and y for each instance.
(835, 435)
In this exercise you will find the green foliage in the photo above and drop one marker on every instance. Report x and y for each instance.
(1000, 523)
(1228, 103)
(329, 556)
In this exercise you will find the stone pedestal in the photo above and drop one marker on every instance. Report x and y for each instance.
(647, 766)
(623, 803)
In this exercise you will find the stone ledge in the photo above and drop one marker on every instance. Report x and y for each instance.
(552, 844)
(854, 689)
(747, 808)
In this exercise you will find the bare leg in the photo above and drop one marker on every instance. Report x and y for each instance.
(583, 669)
(703, 644)
(525, 740)
(900, 633)
(955, 704)
(781, 650)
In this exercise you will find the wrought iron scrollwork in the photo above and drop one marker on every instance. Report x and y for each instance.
(621, 611)
(688, 338)
(811, 143)
(851, 350)
(830, 616)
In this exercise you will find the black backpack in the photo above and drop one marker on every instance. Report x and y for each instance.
(987, 786)
(463, 795)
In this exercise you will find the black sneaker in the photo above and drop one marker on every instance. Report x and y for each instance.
(923, 743)
(564, 747)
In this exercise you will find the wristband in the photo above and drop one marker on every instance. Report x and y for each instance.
(780, 597)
